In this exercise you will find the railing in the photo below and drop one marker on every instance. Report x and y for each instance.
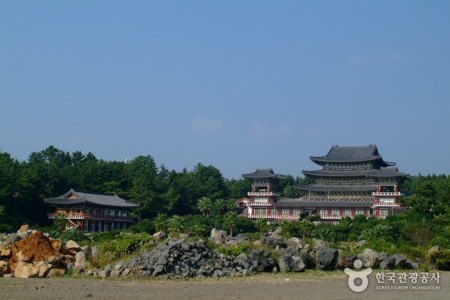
(262, 194)
(259, 203)
(385, 204)
(84, 216)
(378, 194)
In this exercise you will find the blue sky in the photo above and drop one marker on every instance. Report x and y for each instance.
(236, 84)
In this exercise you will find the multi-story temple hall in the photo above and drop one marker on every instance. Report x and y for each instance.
(89, 212)
(353, 181)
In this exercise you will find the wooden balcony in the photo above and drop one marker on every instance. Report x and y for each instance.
(386, 194)
(262, 194)
(251, 204)
(85, 216)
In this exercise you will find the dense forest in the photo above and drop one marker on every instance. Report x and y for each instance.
(166, 194)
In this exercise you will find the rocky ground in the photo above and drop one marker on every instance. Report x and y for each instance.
(272, 268)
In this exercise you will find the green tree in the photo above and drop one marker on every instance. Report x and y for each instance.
(262, 226)
(160, 222)
(205, 206)
(230, 220)
(174, 225)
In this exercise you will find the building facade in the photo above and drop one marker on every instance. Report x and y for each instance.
(353, 181)
(92, 212)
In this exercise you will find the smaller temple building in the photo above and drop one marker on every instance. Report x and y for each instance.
(92, 212)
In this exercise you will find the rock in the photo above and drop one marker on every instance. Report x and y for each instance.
(218, 236)
(308, 260)
(57, 245)
(369, 258)
(80, 260)
(102, 274)
(22, 258)
(410, 265)
(115, 273)
(433, 249)
(361, 243)
(399, 260)
(25, 270)
(295, 243)
(87, 252)
(43, 268)
(319, 244)
(23, 229)
(12, 238)
(243, 261)
(261, 261)
(297, 264)
(326, 258)
(4, 267)
(160, 235)
(345, 260)
(5, 253)
(56, 272)
(126, 272)
(278, 231)
(72, 245)
(94, 253)
(388, 263)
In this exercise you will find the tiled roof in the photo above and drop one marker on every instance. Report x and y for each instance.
(74, 197)
(350, 154)
(261, 173)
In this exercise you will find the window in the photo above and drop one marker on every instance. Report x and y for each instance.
(348, 212)
(335, 212)
(105, 227)
(296, 212)
(359, 212)
(324, 213)
(285, 212)
(86, 226)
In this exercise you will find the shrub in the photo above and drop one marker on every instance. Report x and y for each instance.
(442, 259)
(124, 244)
(234, 250)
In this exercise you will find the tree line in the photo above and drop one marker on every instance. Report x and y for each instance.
(202, 193)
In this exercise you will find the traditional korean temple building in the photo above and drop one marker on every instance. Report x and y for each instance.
(353, 181)
(92, 212)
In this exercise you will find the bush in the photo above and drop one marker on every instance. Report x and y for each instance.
(234, 250)
(124, 244)
(142, 226)
(442, 259)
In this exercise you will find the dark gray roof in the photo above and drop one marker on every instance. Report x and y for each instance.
(390, 171)
(260, 174)
(74, 197)
(350, 154)
(338, 187)
(321, 203)
(381, 172)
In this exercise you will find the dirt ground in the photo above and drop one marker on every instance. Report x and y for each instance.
(280, 286)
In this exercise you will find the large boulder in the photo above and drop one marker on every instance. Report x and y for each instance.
(80, 260)
(399, 260)
(370, 258)
(218, 236)
(72, 245)
(319, 244)
(261, 260)
(26, 270)
(295, 243)
(4, 267)
(326, 258)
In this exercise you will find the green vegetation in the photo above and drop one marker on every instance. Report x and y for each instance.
(201, 199)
